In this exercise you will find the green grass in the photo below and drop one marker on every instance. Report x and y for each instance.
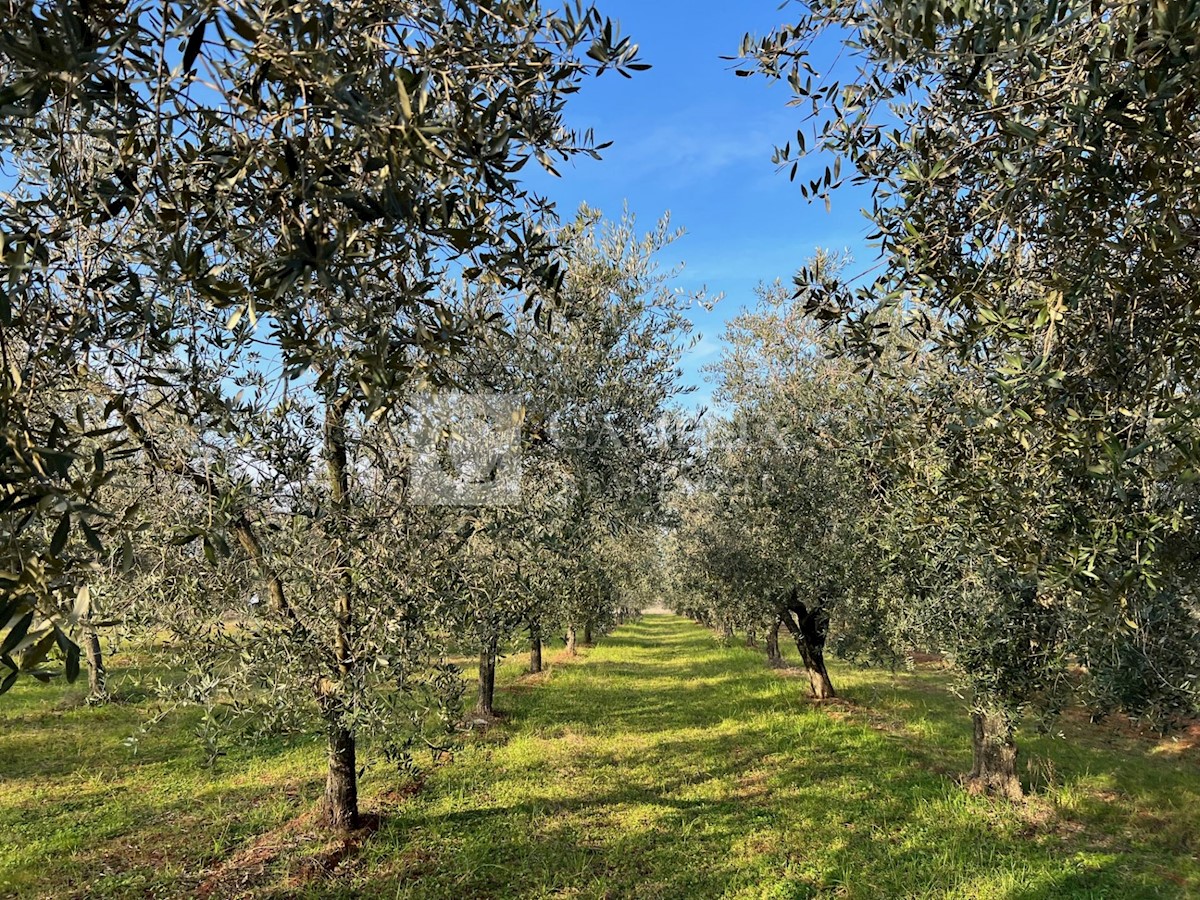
(659, 764)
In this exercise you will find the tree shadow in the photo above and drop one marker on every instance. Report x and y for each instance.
(668, 766)
(660, 765)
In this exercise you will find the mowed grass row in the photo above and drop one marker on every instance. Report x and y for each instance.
(658, 764)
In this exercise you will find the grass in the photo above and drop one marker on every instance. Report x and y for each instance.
(659, 764)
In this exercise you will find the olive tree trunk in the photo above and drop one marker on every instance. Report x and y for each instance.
(587, 634)
(751, 637)
(97, 676)
(535, 648)
(994, 753)
(810, 628)
(341, 781)
(487, 679)
(774, 657)
(571, 640)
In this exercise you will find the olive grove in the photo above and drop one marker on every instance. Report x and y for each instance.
(1031, 492)
(304, 387)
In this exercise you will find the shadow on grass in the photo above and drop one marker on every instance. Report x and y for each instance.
(658, 764)
(666, 766)
(96, 805)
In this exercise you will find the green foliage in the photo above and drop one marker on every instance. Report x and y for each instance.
(785, 520)
(1034, 201)
(602, 441)
(200, 194)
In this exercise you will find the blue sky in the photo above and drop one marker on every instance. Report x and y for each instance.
(693, 139)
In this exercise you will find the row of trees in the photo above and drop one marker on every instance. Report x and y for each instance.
(848, 505)
(298, 374)
(347, 557)
(281, 321)
(989, 448)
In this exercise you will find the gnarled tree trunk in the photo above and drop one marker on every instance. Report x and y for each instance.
(727, 631)
(571, 640)
(487, 679)
(587, 634)
(810, 628)
(535, 648)
(751, 637)
(774, 657)
(994, 753)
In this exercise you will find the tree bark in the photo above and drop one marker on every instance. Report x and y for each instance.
(535, 648)
(727, 631)
(97, 676)
(810, 628)
(571, 651)
(774, 657)
(487, 679)
(751, 637)
(341, 779)
(994, 754)
(587, 634)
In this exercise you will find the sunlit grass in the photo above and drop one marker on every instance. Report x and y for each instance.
(659, 764)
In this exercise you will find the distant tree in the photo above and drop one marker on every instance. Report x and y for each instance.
(605, 444)
(786, 516)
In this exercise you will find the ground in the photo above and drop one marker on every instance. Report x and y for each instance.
(658, 764)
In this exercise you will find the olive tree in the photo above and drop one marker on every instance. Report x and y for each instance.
(785, 521)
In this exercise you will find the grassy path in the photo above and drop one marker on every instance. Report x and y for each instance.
(658, 765)
(667, 766)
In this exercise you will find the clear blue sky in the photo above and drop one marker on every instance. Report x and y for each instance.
(693, 139)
